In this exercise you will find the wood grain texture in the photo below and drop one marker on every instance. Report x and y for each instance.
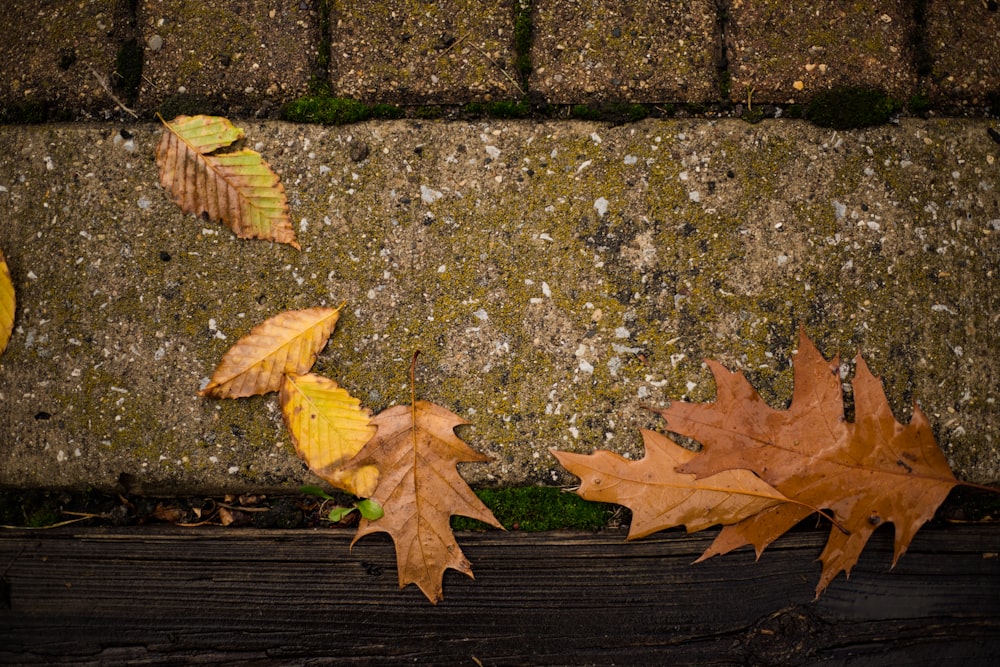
(223, 596)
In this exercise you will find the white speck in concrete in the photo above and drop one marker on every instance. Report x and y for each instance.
(691, 386)
(481, 314)
(303, 225)
(61, 456)
(493, 152)
(428, 195)
(546, 290)
(839, 210)
(694, 196)
(601, 206)
(144, 203)
(782, 259)
(622, 332)
(631, 159)
(233, 470)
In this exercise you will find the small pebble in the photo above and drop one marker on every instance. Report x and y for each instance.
(155, 43)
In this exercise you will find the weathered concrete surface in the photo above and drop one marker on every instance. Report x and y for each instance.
(620, 51)
(442, 52)
(963, 44)
(787, 52)
(554, 276)
(53, 53)
(243, 56)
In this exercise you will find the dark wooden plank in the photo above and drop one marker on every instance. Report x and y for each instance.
(222, 596)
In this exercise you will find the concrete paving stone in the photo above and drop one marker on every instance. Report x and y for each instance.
(556, 277)
(49, 49)
(245, 56)
(614, 50)
(423, 51)
(782, 52)
(963, 41)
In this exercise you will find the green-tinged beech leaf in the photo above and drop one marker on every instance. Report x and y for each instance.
(238, 188)
(7, 304)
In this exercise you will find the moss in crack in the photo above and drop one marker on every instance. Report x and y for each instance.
(189, 105)
(319, 81)
(539, 508)
(33, 111)
(328, 110)
(613, 111)
(501, 109)
(851, 107)
(523, 29)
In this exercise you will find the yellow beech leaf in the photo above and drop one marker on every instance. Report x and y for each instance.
(328, 427)
(238, 187)
(286, 343)
(7, 303)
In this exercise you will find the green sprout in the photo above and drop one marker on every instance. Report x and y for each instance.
(368, 508)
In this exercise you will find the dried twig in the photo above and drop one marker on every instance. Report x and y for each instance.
(107, 89)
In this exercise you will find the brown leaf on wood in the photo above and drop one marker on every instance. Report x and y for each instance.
(238, 188)
(416, 451)
(286, 343)
(868, 472)
(659, 496)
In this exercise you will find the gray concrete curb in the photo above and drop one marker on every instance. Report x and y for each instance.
(554, 275)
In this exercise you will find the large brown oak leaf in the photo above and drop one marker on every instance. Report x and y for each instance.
(416, 451)
(659, 496)
(868, 472)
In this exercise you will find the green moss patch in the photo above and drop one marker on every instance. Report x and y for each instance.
(328, 110)
(538, 508)
(612, 111)
(851, 108)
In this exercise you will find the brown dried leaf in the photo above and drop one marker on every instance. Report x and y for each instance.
(869, 472)
(659, 496)
(416, 451)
